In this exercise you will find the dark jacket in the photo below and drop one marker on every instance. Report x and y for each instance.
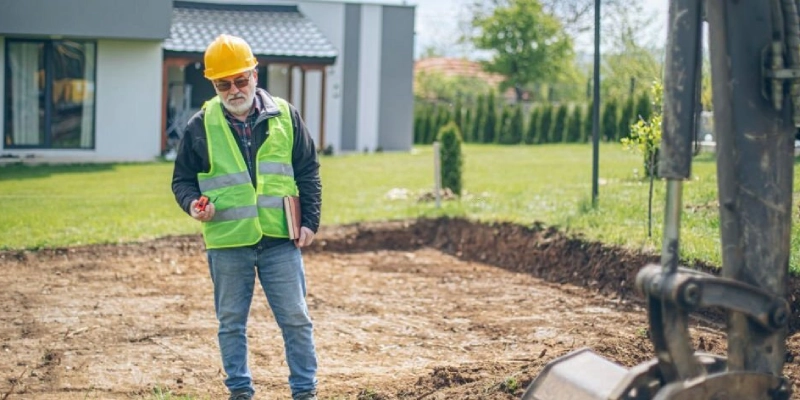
(192, 158)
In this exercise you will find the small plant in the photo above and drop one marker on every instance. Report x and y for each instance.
(642, 332)
(368, 394)
(161, 393)
(451, 158)
(646, 138)
(510, 385)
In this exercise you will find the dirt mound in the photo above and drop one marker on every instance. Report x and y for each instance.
(541, 251)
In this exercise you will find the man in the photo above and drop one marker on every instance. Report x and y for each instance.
(245, 151)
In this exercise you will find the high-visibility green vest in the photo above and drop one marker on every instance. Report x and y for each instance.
(243, 213)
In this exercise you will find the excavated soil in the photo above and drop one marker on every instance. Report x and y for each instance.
(429, 309)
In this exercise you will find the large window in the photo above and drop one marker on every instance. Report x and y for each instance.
(49, 94)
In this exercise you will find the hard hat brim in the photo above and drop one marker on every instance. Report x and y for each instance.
(210, 75)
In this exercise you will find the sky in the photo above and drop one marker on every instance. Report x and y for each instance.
(437, 23)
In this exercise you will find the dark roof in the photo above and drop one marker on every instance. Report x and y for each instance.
(273, 31)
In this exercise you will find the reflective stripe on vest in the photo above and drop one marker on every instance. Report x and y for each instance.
(245, 213)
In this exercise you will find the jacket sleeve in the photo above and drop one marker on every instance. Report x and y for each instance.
(306, 173)
(192, 159)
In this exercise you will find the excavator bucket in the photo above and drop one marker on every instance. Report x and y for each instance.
(580, 375)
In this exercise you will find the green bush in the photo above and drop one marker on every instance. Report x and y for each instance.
(503, 124)
(478, 121)
(609, 120)
(588, 115)
(490, 120)
(644, 107)
(533, 126)
(626, 118)
(428, 126)
(559, 124)
(575, 125)
(545, 124)
(512, 131)
(467, 128)
(451, 158)
(458, 115)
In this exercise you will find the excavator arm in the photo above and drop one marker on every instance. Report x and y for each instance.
(755, 70)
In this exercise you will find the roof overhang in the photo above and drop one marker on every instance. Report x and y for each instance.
(276, 33)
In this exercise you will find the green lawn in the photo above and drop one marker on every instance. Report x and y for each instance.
(49, 206)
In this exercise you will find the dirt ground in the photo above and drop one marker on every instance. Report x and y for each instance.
(433, 309)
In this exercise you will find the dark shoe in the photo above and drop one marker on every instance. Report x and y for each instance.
(241, 396)
(312, 395)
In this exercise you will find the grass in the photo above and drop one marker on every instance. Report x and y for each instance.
(53, 206)
(160, 393)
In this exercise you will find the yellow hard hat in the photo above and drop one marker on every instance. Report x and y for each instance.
(228, 55)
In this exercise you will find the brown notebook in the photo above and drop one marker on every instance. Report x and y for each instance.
(291, 204)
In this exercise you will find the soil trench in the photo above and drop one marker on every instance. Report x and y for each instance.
(429, 309)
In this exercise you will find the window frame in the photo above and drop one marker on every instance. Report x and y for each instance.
(48, 93)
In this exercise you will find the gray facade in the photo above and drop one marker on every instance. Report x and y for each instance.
(97, 19)
(397, 79)
(352, 35)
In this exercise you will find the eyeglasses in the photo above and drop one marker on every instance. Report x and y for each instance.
(241, 83)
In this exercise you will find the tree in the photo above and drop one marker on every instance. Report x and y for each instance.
(632, 62)
(528, 44)
(608, 121)
(445, 116)
(577, 16)
(479, 121)
(429, 126)
(512, 132)
(545, 124)
(418, 124)
(644, 108)
(559, 124)
(626, 118)
(575, 125)
(451, 159)
(490, 119)
(458, 115)
(533, 126)
(646, 138)
(467, 126)
(588, 123)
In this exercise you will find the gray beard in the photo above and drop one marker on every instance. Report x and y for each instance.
(242, 108)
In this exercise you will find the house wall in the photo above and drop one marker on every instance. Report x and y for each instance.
(127, 105)
(313, 107)
(129, 100)
(369, 65)
(330, 19)
(2, 92)
(349, 60)
(396, 125)
(369, 88)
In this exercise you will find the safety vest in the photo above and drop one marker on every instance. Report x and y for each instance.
(243, 213)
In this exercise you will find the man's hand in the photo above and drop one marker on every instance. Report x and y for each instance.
(202, 216)
(306, 237)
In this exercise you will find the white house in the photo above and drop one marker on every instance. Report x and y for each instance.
(114, 80)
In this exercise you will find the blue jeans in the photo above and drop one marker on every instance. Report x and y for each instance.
(282, 276)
